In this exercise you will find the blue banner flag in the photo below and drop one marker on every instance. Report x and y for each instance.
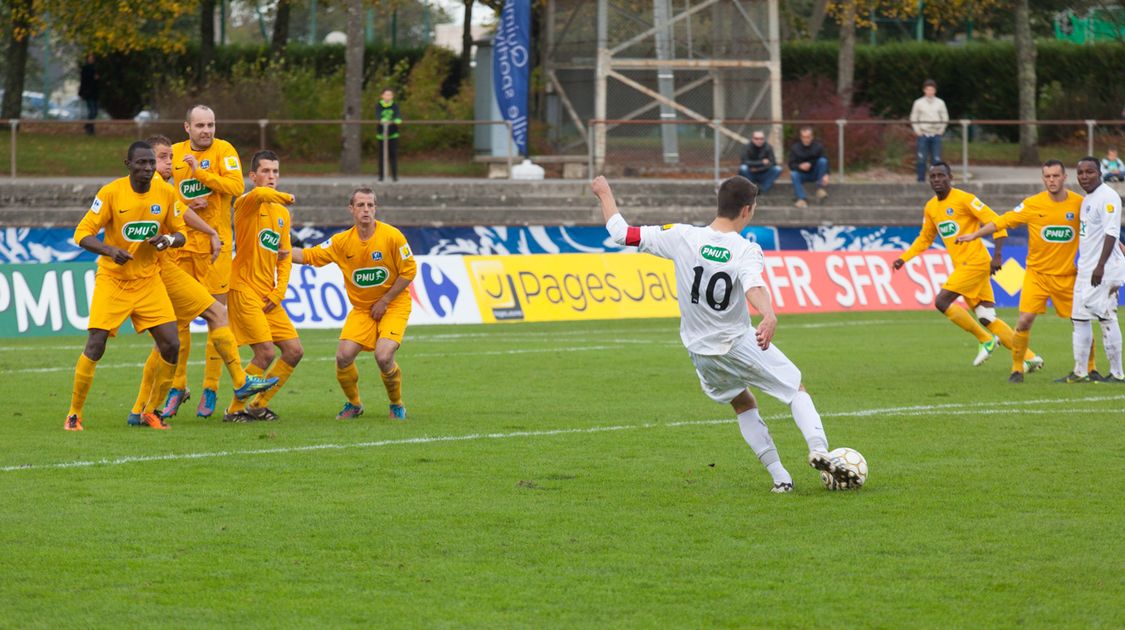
(511, 61)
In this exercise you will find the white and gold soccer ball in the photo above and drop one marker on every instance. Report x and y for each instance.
(852, 461)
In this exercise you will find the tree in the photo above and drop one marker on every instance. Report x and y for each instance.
(1025, 78)
(20, 30)
(353, 89)
(206, 38)
(280, 37)
(467, 41)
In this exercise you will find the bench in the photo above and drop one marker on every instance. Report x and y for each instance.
(573, 166)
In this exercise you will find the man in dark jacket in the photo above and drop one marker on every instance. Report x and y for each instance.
(88, 91)
(386, 112)
(808, 163)
(759, 164)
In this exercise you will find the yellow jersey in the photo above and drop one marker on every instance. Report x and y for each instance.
(218, 178)
(262, 244)
(131, 218)
(1052, 231)
(370, 267)
(959, 213)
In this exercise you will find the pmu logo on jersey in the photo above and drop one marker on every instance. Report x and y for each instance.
(193, 189)
(154, 208)
(269, 239)
(370, 276)
(947, 228)
(138, 231)
(376, 256)
(715, 254)
(1057, 233)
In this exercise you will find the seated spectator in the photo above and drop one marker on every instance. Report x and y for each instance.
(808, 163)
(1113, 170)
(759, 164)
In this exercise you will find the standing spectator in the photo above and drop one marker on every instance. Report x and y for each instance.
(929, 118)
(386, 112)
(808, 163)
(758, 163)
(88, 91)
(1113, 170)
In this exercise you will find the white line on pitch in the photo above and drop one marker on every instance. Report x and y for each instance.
(967, 408)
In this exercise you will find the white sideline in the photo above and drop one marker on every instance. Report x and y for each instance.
(978, 408)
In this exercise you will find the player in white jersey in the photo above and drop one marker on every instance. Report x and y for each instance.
(1101, 272)
(724, 272)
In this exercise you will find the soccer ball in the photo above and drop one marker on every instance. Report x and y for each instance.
(853, 461)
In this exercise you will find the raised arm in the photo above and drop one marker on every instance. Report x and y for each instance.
(614, 222)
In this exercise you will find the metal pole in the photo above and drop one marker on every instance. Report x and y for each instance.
(508, 124)
(15, 124)
(715, 132)
(964, 149)
(590, 151)
(1090, 136)
(262, 122)
(601, 79)
(840, 122)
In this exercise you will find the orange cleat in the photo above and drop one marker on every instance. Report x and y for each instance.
(73, 423)
(154, 421)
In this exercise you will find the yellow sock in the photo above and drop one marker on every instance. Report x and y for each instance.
(161, 383)
(83, 379)
(180, 380)
(213, 365)
(1019, 349)
(349, 382)
(222, 340)
(146, 381)
(967, 322)
(237, 405)
(393, 382)
(282, 371)
(1002, 330)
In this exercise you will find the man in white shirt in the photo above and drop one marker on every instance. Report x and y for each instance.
(717, 272)
(1101, 272)
(928, 116)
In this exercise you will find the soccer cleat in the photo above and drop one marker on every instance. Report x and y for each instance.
(398, 412)
(1033, 365)
(176, 397)
(1096, 377)
(238, 416)
(207, 403)
(824, 462)
(985, 351)
(1016, 377)
(1074, 378)
(1116, 380)
(73, 423)
(135, 420)
(262, 413)
(350, 411)
(154, 421)
(782, 487)
(253, 385)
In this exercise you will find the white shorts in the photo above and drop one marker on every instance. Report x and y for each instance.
(1098, 302)
(725, 376)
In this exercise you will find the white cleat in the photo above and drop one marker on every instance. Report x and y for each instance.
(986, 350)
(835, 468)
(782, 487)
(1033, 365)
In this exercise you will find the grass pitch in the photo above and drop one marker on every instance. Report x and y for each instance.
(571, 475)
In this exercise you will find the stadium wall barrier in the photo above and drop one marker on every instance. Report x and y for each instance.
(54, 298)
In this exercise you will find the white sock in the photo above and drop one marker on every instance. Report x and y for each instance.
(808, 421)
(1081, 339)
(1111, 341)
(757, 435)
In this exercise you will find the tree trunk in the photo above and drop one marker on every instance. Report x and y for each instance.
(467, 42)
(20, 23)
(280, 37)
(816, 20)
(353, 89)
(845, 66)
(206, 38)
(1025, 73)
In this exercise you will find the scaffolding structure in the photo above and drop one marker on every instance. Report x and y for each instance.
(639, 62)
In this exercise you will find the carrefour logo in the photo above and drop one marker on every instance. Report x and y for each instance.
(269, 239)
(370, 276)
(193, 189)
(947, 228)
(1057, 233)
(137, 231)
(715, 254)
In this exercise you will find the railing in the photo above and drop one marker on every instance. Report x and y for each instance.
(144, 128)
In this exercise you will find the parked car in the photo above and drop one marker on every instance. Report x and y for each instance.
(33, 104)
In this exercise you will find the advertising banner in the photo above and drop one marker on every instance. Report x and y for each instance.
(511, 66)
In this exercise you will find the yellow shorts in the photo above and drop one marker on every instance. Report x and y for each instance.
(251, 324)
(1037, 287)
(189, 297)
(215, 277)
(144, 301)
(361, 328)
(972, 283)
